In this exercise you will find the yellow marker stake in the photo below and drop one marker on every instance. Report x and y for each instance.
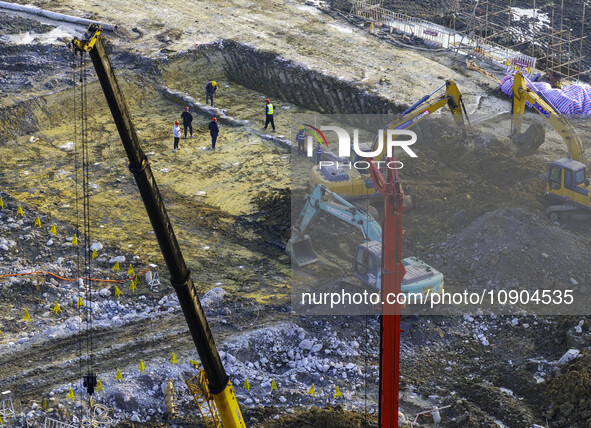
(1, 423)
(19, 210)
(142, 367)
(1, 203)
(44, 405)
(311, 391)
(118, 376)
(57, 308)
(273, 385)
(94, 254)
(53, 230)
(99, 385)
(246, 385)
(194, 363)
(130, 271)
(70, 395)
(80, 302)
(337, 393)
(173, 360)
(132, 285)
(116, 267)
(75, 240)
(27, 316)
(117, 292)
(38, 222)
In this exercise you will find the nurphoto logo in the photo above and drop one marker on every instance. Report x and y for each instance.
(385, 139)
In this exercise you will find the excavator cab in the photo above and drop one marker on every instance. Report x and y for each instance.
(567, 181)
(367, 263)
(420, 278)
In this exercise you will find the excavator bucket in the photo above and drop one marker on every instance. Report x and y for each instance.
(528, 142)
(301, 251)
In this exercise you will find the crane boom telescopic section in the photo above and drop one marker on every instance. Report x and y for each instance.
(180, 276)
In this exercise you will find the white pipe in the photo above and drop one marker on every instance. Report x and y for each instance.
(55, 16)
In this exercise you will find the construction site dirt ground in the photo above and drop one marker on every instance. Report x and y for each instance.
(477, 215)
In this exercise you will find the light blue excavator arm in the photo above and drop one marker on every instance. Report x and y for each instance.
(323, 200)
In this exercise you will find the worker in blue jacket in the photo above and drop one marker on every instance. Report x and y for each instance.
(318, 153)
(210, 89)
(187, 121)
(214, 130)
(301, 140)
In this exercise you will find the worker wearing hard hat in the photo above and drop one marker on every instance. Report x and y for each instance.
(187, 121)
(214, 130)
(318, 153)
(176, 133)
(301, 140)
(210, 89)
(269, 114)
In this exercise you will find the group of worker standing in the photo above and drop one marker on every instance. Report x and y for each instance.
(187, 117)
(213, 126)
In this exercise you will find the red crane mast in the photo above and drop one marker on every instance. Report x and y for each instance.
(392, 273)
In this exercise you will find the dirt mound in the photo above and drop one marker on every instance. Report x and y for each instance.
(325, 417)
(15, 24)
(454, 180)
(518, 246)
(568, 393)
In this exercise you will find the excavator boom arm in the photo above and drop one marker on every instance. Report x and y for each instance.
(322, 199)
(413, 115)
(523, 94)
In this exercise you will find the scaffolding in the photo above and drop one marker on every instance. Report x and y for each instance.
(537, 35)
(430, 32)
(368, 9)
(443, 37)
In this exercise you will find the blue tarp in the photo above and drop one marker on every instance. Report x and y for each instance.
(571, 100)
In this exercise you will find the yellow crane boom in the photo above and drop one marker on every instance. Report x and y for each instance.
(218, 381)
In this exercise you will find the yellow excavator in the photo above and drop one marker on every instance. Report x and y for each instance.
(351, 183)
(568, 189)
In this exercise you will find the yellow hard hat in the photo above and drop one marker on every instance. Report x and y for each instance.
(213, 83)
(301, 127)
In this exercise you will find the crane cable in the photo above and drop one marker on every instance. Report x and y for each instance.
(81, 166)
(86, 208)
(75, 108)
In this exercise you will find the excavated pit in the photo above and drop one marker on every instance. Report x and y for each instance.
(269, 73)
(213, 198)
